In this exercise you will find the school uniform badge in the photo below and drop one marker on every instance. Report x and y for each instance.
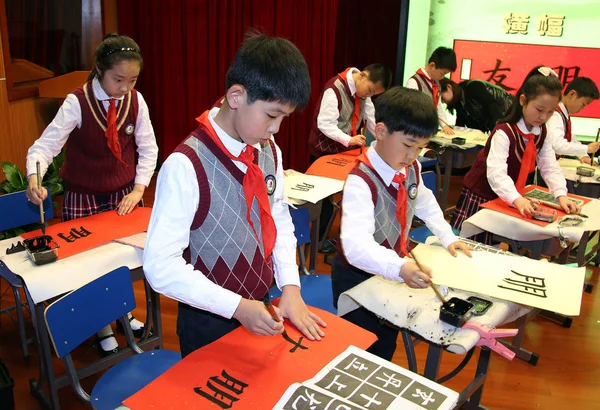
(271, 184)
(412, 191)
(129, 128)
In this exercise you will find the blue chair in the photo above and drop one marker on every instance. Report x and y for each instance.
(81, 313)
(17, 212)
(421, 233)
(315, 289)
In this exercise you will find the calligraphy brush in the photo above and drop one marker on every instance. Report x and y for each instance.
(39, 182)
(271, 309)
(433, 285)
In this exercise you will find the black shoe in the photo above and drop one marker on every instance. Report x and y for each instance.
(136, 333)
(105, 353)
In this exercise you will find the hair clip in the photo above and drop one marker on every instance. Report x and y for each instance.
(547, 71)
(130, 49)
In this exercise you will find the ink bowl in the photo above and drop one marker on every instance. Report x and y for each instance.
(41, 249)
(456, 312)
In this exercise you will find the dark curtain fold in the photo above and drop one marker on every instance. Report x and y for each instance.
(367, 33)
(188, 45)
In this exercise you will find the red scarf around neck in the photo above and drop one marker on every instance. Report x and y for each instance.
(253, 184)
(356, 113)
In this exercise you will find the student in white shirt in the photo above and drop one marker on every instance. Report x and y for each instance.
(579, 93)
(381, 195)
(112, 151)
(427, 80)
(220, 230)
(516, 145)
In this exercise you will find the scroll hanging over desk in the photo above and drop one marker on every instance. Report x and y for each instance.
(82, 234)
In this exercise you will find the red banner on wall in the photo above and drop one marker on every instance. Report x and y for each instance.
(507, 64)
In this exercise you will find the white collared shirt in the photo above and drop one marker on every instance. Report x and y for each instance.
(358, 221)
(327, 120)
(176, 202)
(68, 117)
(556, 133)
(412, 83)
(497, 166)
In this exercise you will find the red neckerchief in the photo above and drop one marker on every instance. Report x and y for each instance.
(254, 186)
(435, 92)
(356, 113)
(401, 203)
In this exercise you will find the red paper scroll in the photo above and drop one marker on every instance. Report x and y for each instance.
(82, 234)
(336, 166)
(252, 371)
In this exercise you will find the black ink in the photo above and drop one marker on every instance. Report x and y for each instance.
(340, 162)
(217, 387)
(297, 345)
(567, 74)
(498, 78)
(530, 285)
(74, 234)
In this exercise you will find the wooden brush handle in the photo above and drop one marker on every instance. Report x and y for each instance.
(39, 182)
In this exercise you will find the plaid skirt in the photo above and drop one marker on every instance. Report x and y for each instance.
(76, 205)
(468, 204)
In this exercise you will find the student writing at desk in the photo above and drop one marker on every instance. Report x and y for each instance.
(220, 229)
(344, 105)
(112, 151)
(579, 93)
(427, 79)
(517, 143)
(381, 196)
(478, 104)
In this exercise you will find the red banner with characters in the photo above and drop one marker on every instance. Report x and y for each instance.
(507, 64)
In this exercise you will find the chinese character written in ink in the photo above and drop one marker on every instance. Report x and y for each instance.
(74, 234)
(224, 391)
(516, 23)
(423, 395)
(530, 285)
(308, 398)
(340, 162)
(304, 187)
(551, 25)
(567, 74)
(297, 345)
(497, 76)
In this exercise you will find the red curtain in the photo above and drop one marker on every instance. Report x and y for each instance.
(367, 33)
(188, 45)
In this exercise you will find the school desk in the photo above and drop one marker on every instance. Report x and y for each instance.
(519, 233)
(456, 156)
(415, 312)
(586, 186)
(45, 282)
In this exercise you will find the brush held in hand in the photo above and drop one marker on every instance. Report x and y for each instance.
(39, 182)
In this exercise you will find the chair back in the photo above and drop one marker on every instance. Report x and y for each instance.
(301, 220)
(18, 211)
(429, 180)
(78, 315)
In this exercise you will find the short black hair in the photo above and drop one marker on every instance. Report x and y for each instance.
(379, 73)
(584, 87)
(443, 57)
(270, 69)
(535, 84)
(112, 50)
(407, 110)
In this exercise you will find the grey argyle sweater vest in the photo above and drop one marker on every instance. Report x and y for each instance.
(387, 229)
(320, 144)
(222, 243)
(423, 84)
